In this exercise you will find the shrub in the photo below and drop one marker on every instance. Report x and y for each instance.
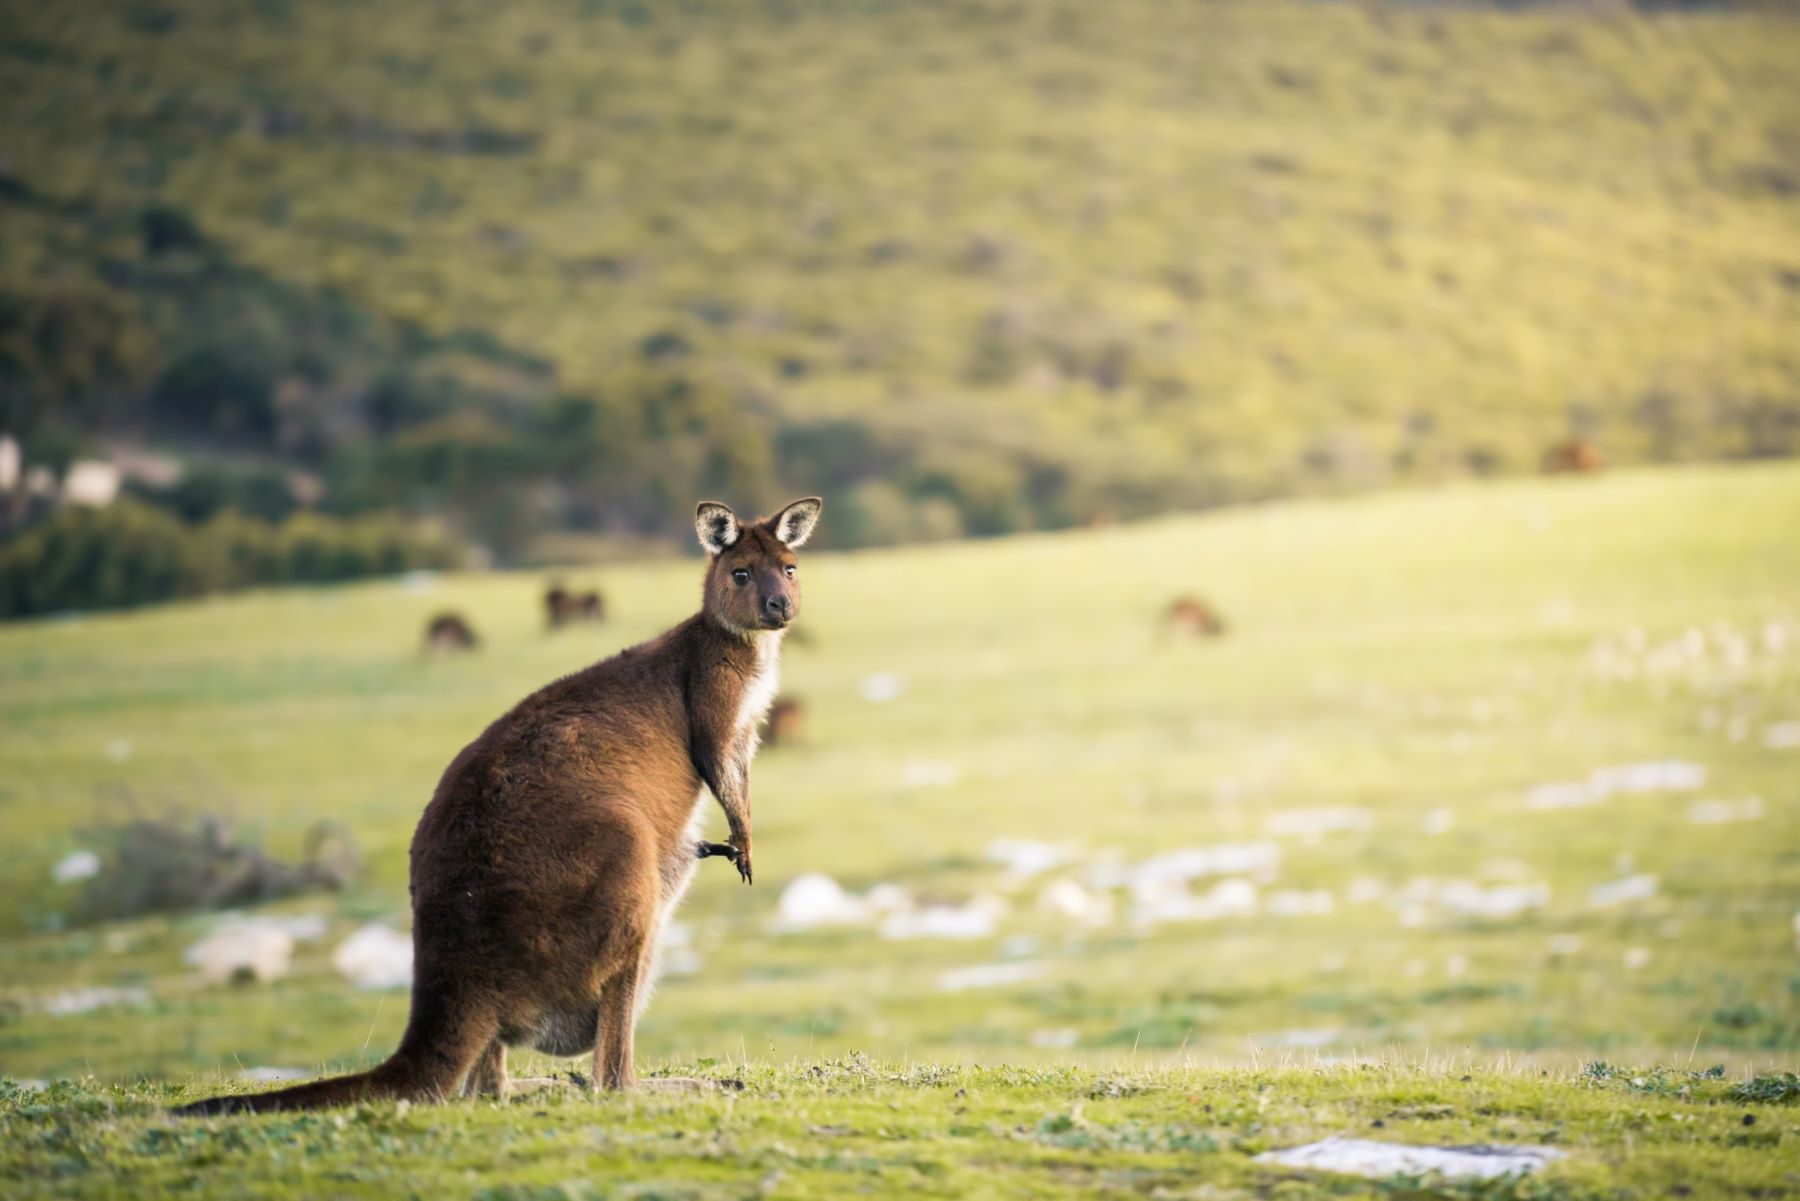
(134, 554)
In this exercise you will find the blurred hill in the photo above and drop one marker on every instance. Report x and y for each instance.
(966, 267)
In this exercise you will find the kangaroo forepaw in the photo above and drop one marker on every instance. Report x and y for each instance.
(739, 856)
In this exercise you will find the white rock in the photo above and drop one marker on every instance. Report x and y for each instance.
(1065, 898)
(1026, 857)
(1662, 775)
(1156, 901)
(977, 919)
(1054, 1039)
(882, 686)
(77, 865)
(1637, 958)
(272, 1075)
(1190, 863)
(1466, 898)
(815, 900)
(1718, 813)
(1782, 736)
(375, 957)
(256, 949)
(87, 1000)
(988, 975)
(1615, 892)
(1364, 1157)
(91, 482)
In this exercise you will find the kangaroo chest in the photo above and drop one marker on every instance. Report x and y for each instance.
(752, 706)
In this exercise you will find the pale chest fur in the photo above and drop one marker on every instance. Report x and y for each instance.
(759, 693)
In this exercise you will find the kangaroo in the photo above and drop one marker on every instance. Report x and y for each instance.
(786, 724)
(1191, 615)
(560, 840)
(1576, 456)
(562, 606)
(448, 633)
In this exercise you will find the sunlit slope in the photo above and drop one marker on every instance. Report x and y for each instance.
(1188, 252)
(1417, 663)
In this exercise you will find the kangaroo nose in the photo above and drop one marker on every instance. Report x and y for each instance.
(779, 606)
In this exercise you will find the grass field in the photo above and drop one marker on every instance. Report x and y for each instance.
(1403, 903)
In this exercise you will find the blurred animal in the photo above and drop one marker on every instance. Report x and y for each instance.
(786, 724)
(448, 633)
(1576, 456)
(1189, 615)
(562, 606)
(561, 839)
(160, 866)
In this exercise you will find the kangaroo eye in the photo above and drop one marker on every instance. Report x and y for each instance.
(790, 571)
(741, 576)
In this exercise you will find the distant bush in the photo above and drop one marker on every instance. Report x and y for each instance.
(206, 490)
(134, 554)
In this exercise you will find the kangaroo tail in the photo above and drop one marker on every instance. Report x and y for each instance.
(423, 1069)
(315, 1094)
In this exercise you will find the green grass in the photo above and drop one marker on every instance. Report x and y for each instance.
(849, 1126)
(1403, 653)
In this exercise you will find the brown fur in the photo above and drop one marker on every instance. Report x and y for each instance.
(559, 841)
(786, 725)
(1193, 616)
(1577, 456)
(562, 606)
(448, 633)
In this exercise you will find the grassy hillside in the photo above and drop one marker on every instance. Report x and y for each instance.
(974, 266)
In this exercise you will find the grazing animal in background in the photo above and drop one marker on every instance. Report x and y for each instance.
(1190, 615)
(561, 839)
(1577, 456)
(786, 725)
(562, 606)
(449, 634)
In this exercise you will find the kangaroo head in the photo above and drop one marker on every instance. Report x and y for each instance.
(752, 578)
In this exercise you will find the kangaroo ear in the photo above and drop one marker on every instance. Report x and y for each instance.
(717, 526)
(794, 524)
